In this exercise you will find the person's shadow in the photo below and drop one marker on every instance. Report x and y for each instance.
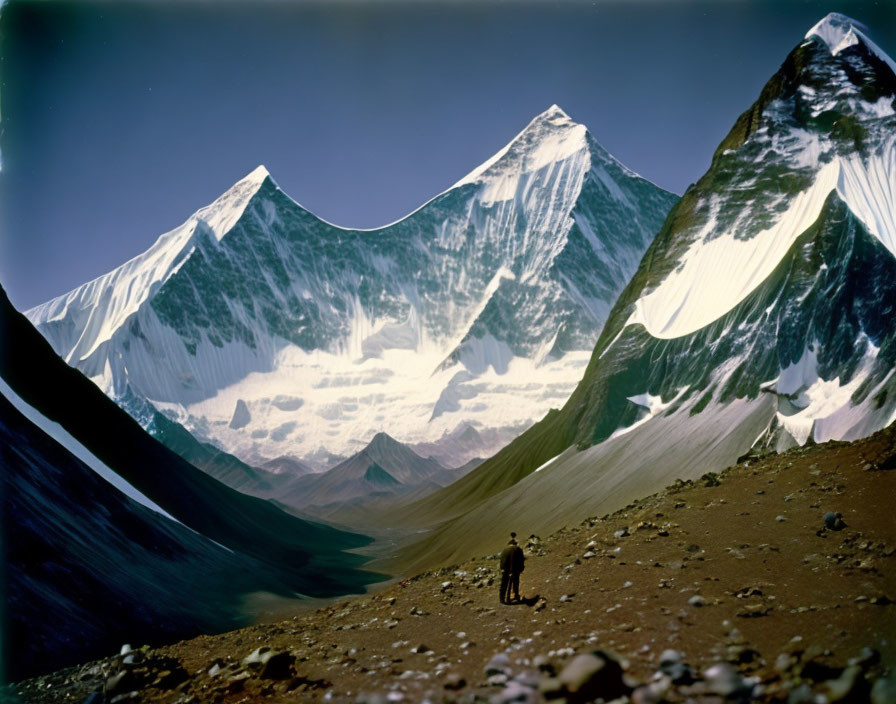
(526, 601)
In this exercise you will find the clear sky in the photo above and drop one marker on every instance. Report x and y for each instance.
(119, 119)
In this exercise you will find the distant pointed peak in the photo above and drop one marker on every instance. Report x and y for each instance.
(382, 439)
(840, 32)
(837, 31)
(259, 174)
(555, 111)
(549, 137)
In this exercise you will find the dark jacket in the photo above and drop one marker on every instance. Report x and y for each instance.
(513, 559)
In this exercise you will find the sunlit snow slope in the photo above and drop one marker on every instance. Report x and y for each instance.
(767, 299)
(272, 333)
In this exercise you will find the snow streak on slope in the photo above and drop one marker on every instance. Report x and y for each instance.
(64, 438)
(272, 333)
(737, 245)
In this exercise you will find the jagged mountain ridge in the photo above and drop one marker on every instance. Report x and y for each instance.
(792, 344)
(501, 282)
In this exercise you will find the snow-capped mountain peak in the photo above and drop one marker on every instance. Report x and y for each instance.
(836, 30)
(830, 126)
(257, 310)
(551, 137)
(221, 215)
(840, 32)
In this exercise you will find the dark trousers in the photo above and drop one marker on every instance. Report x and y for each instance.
(510, 582)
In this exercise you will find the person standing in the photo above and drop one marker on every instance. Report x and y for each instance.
(513, 562)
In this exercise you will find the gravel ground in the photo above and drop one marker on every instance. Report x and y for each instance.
(740, 586)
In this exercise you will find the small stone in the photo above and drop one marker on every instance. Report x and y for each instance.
(515, 693)
(499, 664)
(801, 695)
(884, 690)
(125, 649)
(672, 665)
(851, 686)
(697, 601)
(834, 521)
(270, 664)
(869, 657)
(785, 662)
(551, 688)
(723, 679)
(781, 519)
(622, 533)
(454, 681)
(591, 676)
(653, 693)
(497, 679)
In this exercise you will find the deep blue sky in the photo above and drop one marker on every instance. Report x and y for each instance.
(119, 119)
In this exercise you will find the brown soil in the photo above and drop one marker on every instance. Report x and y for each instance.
(771, 580)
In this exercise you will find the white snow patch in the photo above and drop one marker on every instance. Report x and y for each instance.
(345, 399)
(799, 375)
(549, 462)
(823, 409)
(716, 274)
(653, 406)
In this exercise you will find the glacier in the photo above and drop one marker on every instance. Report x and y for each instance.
(478, 309)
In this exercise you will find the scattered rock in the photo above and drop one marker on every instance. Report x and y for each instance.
(270, 664)
(884, 690)
(724, 680)
(591, 676)
(834, 521)
(454, 681)
(850, 686)
(498, 665)
(672, 665)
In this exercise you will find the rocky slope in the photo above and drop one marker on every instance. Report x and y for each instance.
(766, 300)
(748, 575)
(87, 564)
(270, 332)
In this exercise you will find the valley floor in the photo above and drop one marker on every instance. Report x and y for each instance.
(738, 570)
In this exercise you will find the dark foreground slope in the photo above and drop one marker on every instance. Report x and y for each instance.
(736, 572)
(72, 593)
(86, 568)
(309, 552)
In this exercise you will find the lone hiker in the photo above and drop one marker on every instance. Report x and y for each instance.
(513, 562)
